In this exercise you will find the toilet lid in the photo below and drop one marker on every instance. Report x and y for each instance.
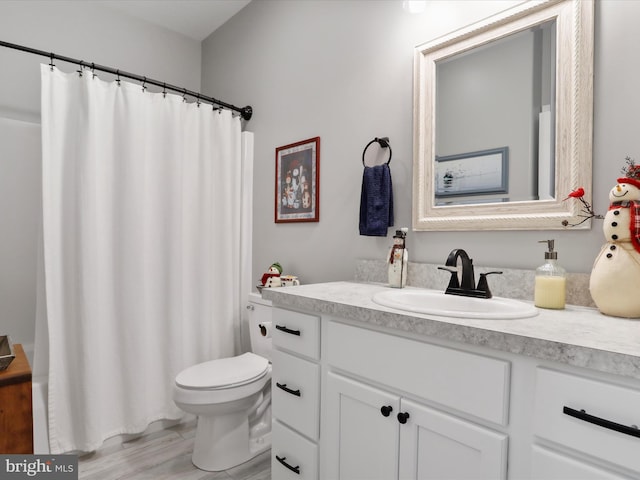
(224, 372)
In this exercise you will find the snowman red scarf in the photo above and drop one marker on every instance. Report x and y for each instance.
(634, 224)
(634, 211)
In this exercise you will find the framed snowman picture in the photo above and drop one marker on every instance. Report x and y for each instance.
(297, 182)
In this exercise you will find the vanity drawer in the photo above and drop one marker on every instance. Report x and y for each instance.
(547, 464)
(296, 393)
(296, 332)
(474, 384)
(556, 392)
(292, 456)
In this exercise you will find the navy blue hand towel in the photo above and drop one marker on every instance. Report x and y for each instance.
(376, 201)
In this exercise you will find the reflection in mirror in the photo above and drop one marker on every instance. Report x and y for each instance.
(500, 96)
(503, 119)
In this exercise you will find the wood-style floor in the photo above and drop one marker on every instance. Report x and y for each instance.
(163, 455)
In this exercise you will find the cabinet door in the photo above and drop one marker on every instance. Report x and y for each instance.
(361, 442)
(434, 445)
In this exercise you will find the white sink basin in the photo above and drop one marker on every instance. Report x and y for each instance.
(437, 303)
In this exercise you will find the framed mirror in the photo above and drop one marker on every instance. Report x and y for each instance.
(503, 116)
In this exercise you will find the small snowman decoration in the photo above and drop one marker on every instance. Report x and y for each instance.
(397, 260)
(272, 277)
(615, 276)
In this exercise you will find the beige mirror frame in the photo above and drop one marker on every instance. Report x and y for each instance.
(573, 129)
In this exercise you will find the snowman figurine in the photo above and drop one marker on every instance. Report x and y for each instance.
(397, 260)
(616, 271)
(272, 277)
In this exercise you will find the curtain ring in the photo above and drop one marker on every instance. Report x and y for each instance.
(198, 100)
(51, 64)
(118, 77)
(184, 94)
(383, 142)
(144, 84)
(93, 70)
(80, 71)
(164, 90)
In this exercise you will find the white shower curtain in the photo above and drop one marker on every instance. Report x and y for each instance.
(142, 219)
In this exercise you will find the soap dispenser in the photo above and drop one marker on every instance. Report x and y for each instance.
(551, 283)
(398, 259)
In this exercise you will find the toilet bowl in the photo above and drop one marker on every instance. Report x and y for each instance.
(232, 399)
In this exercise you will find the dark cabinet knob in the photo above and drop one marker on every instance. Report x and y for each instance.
(386, 410)
(403, 417)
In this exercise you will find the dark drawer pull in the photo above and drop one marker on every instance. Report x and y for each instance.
(283, 386)
(284, 329)
(582, 415)
(295, 470)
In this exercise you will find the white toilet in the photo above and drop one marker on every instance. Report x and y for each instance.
(232, 399)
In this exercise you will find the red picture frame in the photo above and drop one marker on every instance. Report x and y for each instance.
(297, 192)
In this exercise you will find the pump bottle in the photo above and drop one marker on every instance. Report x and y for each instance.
(550, 283)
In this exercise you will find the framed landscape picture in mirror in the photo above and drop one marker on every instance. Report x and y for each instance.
(297, 189)
(473, 173)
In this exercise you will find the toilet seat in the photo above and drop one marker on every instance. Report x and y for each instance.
(224, 373)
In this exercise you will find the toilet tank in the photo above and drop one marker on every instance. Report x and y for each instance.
(259, 311)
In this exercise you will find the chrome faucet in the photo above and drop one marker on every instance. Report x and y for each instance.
(468, 285)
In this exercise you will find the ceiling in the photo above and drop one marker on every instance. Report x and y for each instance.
(196, 19)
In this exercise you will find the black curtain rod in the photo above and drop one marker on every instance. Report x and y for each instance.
(245, 112)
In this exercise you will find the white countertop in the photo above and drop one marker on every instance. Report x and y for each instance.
(577, 336)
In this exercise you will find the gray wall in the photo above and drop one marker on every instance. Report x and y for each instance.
(343, 71)
(76, 29)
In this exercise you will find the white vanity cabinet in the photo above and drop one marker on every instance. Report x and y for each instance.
(372, 432)
(295, 388)
(365, 398)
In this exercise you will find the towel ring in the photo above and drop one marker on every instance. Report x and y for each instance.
(384, 143)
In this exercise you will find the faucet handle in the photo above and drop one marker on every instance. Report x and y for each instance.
(453, 282)
(483, 286)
